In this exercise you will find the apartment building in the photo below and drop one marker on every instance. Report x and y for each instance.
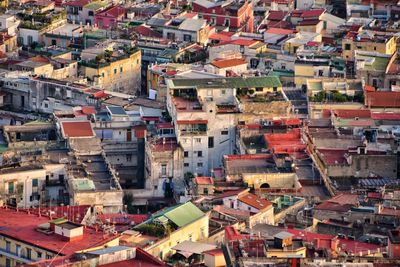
(368, 41)
(116, 68)
(204, 114)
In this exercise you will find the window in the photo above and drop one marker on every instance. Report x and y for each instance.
(8, 263)
(48, 257)
(115, 71)
(225, 132)
(187, 38)
(320, 73)
(129, 157)
(61, 178)
(102, 74)
(259, 89)
(91, 13)
(30, 39)
(17, 250)
(205, 191)
(120, 69)
(199, 154)
(186, 154)
(8, 246)
(210, 141)
(35, 182)
(164, 169)
(28, 253)
(223, 92)
(213, 21)
(197, 140)
(11, 187)
(54, 42)
(199, 164)
(347, 47)
(185, 164)
(227, 22)
(275, 89)
(38, 254)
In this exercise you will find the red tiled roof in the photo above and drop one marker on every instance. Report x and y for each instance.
(382, 99)
(332, 156)
(113, 11)
(220, 37)
(164, 125)
(232, 234)
(339, 203)
(352, 113)
(247, 156)
(88, 110)
(255, 201)
(78, 3)
(313, 13)
(385, 116)
(375, 195)
(40, 59)
(146, 32)
(309, 22)
(77, 129)
(244, 42)
(22, 226)
(280, 31)
(285, 142)
(204, 180)
(276, 15)
(226, 63)
(279, 24)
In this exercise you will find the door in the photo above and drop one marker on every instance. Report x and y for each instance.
(129, 135)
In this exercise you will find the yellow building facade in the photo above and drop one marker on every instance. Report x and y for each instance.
(349, 45)
(121, 75)
(195, 231)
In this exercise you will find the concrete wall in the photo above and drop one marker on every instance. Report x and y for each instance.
(110, 200)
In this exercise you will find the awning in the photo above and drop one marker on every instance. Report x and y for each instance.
(192, 122)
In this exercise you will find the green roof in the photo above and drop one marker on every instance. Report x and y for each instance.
(83, 184)
(317, 85)
(182, 214)
(59, 221)
(96, 5)
(228, 82)
(379, 64)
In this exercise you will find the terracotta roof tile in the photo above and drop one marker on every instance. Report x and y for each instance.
(254, 201)
(77, 129)
(226, 63)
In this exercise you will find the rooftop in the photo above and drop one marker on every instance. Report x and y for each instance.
(228, 82)
(23, 226)
(73, 129)
(255, 201)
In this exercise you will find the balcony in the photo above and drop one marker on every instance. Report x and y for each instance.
(18, 257)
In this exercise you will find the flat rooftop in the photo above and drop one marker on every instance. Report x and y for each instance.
(22, 226)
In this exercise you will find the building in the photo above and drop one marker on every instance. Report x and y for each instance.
(189, 30)
(204, 112)
(28, 238)
(172, 226)
(117, 69)
(231, 15)
(368, 41)
(109, 18)
(261, 210)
